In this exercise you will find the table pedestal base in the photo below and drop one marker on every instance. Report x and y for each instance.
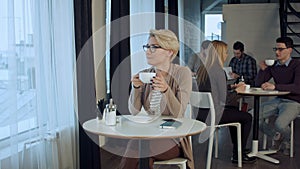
(262, 154)
(144, 154)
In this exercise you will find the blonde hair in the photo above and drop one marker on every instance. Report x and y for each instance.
(216, 52)
(166, 39)
(215, 55)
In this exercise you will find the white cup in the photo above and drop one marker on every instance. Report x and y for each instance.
(146, 77)
(269, 62)
(247, 88)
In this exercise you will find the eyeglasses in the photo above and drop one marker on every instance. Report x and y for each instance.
(151, 47)
(279, 49)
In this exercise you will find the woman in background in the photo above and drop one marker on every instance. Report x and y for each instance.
(171, 88)
(211, 78)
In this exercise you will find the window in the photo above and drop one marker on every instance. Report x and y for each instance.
(17, 70)
(213, 25)
(140, 34)
(37, 58)
(107, 55)
(37, 70)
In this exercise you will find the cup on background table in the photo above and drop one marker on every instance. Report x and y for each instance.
(269, 62)
(146, 77)
(247, 88)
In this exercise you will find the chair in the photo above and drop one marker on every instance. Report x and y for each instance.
(265, 138)
(180, 162)
(241, 100)
(204, 100)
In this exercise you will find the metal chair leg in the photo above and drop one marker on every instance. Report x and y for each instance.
(216, 142)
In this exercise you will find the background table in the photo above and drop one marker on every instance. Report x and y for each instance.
(127, 129)
(257, 93)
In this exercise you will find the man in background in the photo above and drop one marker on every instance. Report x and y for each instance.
(243, 66)
(286, 74)
(198, 58)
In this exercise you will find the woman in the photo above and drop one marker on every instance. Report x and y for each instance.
(211, 78)
(173, 84)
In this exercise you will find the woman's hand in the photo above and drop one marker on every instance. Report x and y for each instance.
(136, 82)
(234, 86)
(241, 87)
(159, 83)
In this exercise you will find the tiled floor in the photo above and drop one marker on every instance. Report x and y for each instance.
(110, 161)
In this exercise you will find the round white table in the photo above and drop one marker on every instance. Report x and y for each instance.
(127, 129)
(257, 93)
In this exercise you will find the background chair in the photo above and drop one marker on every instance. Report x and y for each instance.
(238, 127)
(204, 100)
(180, 162)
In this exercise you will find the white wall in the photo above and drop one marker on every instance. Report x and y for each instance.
(256, 25)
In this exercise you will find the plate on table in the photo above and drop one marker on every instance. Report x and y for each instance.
(141, 118)
(256, 89)
(260, 90)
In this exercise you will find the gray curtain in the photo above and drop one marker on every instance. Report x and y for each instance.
(89, 151)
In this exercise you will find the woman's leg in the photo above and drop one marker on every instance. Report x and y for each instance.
(130, 159)
(129, 163)
(163, 149)
(245, 119)
(170, 154)
(159, 150)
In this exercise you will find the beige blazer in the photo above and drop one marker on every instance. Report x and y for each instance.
(173, 103)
